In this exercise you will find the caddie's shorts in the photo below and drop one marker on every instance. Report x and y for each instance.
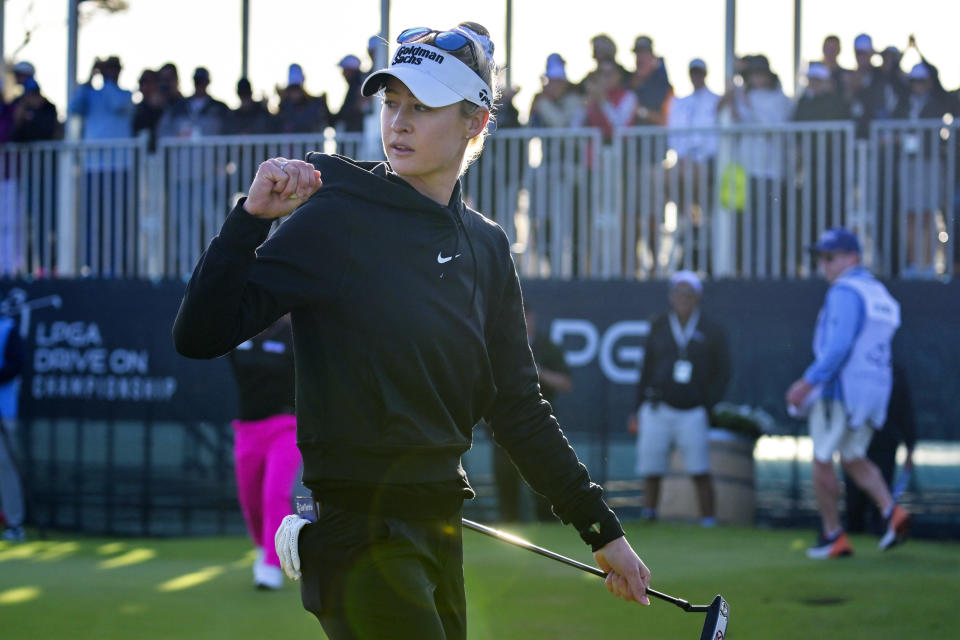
(371, 576)
(831, 432)
(663, 427)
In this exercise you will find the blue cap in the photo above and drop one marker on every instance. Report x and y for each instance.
(837, 239)
(349, 61)
(556, 67)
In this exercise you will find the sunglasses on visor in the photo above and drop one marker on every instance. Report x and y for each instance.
(446, 40)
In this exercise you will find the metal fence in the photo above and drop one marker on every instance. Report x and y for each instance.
(732, 201)
(158, 478)
(740, 201)
(196, 182)
(912, 179)
(130, 477)
(71, 207)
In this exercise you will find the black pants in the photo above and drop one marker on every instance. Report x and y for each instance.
(369, 577)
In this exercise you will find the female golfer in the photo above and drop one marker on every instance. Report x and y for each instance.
(408, 329)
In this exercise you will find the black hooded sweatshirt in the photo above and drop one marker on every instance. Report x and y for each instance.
(408, 329)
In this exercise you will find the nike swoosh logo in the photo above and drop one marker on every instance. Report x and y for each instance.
(443, 260)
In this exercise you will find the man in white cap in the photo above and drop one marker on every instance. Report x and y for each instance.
(926, 100)
(864, 88)
(299, 112)
(820, 100)
(685, 371)
(558, 102)
(352, 111)
(695, 151)
(699, 109)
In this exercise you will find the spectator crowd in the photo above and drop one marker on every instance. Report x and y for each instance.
(608, 97)
(110, 112)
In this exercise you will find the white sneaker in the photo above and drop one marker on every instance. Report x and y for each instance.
(267, 577)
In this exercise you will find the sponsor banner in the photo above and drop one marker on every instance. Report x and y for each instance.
(102, 349)
(602, 327)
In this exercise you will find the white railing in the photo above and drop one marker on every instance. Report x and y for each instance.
(912, 191)
(540, 186)
(739, 201)
(196, 183)
(734, 201)
(71, 208)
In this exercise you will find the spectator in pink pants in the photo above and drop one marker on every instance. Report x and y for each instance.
(266, 457)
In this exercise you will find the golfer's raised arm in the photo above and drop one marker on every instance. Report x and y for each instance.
(241, 284)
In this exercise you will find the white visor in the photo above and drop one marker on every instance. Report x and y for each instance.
(436, 77)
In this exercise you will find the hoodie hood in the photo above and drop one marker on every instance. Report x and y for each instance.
(377, 182)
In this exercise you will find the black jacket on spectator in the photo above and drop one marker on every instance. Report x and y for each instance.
(707, 351)
(309, 116)
(180, 118)
(37, 123)
(895, 88)
(935, 106)
(351, 114)
(255, 119)
(825, 106)
(145, 118)
(868, 102)
(654, 91)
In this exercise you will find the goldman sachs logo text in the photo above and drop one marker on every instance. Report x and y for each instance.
(416, 55)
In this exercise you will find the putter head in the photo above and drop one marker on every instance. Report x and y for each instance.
(718, 615)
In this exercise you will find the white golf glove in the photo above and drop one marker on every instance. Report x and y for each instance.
(287, 541)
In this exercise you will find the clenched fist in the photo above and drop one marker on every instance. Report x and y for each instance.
(280, 186)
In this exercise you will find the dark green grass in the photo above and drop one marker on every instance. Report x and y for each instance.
(65, 587)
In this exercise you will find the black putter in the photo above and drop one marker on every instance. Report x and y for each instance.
(718, 611)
